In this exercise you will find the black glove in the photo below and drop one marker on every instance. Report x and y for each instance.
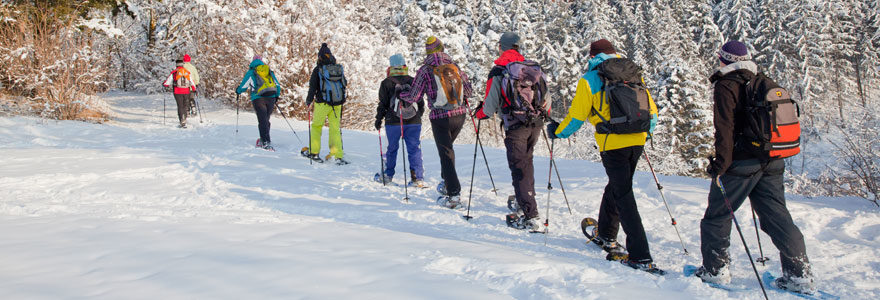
(378, 124)
(551, 129)
(712, 169)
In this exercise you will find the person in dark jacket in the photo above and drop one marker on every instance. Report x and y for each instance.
(744, 175)
(520, 136)
(322, 109)
(446, 122)
(411, 128)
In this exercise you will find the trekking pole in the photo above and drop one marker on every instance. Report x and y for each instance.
(763, 259)
(741, 237)
(556, 167)
(473, 169)
(288, 122)
(236, 114)
(310, 137)
(549, 190)
(198, 109)
(660, 189)
(494, 189)
(164, 98)
(403, 157)
(381, 157)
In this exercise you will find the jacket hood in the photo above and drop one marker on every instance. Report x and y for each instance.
(746, 68)
(599, 58)
(255, 63)
(508, 57)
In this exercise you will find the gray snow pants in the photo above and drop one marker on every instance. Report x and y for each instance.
(766, 192)
(520, 144)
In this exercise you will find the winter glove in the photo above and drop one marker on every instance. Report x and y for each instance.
(551, 129)
(713, 167)
(479, 114)
(653, 125)
(378, 124)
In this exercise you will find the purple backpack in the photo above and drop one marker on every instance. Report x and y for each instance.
(523, 88)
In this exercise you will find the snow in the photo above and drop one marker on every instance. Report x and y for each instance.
(137, 209)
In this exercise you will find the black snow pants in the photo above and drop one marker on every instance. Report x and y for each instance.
(445, 132)
(520, 144)
(264, 108)
(182, 107)
(766, 192)
(618, 206)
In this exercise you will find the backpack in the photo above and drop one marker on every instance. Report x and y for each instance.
(264, 83)
(772, 129)
(181, 78)
(450, 87)
(523, 88)
(333, 84)
(399, 108)
(623, 91)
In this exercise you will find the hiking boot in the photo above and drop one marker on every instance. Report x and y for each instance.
(802, 285)
(722, 276)
(337, 160)
(513, 206)
(644, 265)
(449, 201)
(615, 251)
(418, 183)
(380, 178)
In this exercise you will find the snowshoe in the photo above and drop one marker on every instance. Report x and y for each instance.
(451, 202)
(721, 277)
(533, 225)
(314, 157)
(182, 125)
(590, 228)
(265, 146)
(441, 188)
(643, 266)
(380, 178)
(337, 160)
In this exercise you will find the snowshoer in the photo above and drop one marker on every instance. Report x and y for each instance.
(620, 145)
(194, 76)
(394, 112)
(517, 90)
(745, 174)
(265, 90)
(447, 89)
(180, 81)
(326, 98)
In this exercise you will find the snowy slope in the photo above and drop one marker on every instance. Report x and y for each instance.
(135, 209)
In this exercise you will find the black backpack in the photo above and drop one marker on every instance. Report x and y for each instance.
(772, 129)
(400, 108)
(627, 97)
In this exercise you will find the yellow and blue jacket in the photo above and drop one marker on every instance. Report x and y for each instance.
(590, 95)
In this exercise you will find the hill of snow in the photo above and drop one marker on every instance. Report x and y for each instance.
(137, 209)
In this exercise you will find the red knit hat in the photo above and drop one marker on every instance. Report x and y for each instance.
(186, 58)
(601, 46)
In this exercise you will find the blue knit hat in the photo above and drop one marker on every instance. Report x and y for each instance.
(397, 60)
(734, 51)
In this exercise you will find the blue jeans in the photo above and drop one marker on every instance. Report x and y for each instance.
(411, 135)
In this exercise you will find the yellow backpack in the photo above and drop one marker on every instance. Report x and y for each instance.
(266, 86)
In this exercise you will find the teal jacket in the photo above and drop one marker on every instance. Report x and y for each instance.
(248, 81)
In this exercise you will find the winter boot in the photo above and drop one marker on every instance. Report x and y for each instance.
(722, 276)
(449, 201)
(338, 161)
(513, 206)
(418, 183)
(646, 266)
(305, 153)
(614, 249)
(802, 285)
(533, 225)
(380, 178)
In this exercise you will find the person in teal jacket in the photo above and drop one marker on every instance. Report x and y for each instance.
(264, 94)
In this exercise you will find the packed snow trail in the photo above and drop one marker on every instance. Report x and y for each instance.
(135, 209)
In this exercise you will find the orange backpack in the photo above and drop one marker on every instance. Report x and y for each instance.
(772, 128)
(449, 87)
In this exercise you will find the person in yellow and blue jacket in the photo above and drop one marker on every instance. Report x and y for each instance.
(620, 154)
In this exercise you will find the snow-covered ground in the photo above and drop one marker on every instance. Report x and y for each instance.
(136, 209)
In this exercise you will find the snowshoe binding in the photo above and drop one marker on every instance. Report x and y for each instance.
(314, 157)
(793, 284)
(265, 145)
(533, 225)
(441, 188)
(513, 206)
(380, 178)
(451, 202)
(643, 266)
(418, 183)
(590, 228)
(337, 160)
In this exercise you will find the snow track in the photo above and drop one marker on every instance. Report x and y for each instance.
(135, 209)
